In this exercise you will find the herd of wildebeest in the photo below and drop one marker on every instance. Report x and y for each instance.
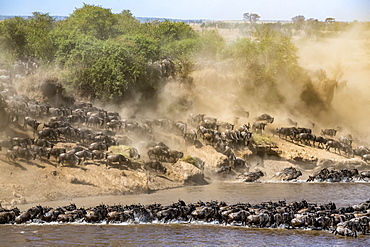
(71, 135)
(345, 221)
(89, 131)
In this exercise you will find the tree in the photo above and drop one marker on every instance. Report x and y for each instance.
(251, 17)
(103, 69)
(13, 37)
(298, 20)
(127, 23)
(330, 20)
(93, 20)
(40, 44)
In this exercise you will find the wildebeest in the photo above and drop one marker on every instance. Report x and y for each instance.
(84, 154)
(23, 152)
(305, 138)
(258, 126)
(22, 142)
(251, 176)
(366, 157)
(288, 174)
(209, 123)
(28, 121)
(333, 144)
(321, 141)
(361, 150)
(122, 160)
(134, 153)
(40, 151)
(69, 158)
(190, 137)
(11, 155)
(239, 164)
(345, 140)
(97, 154)
(98, 146)
(291, 132)
(55, 152)
(265, 117)
(156, 165)
(365, 174)
(159, 153)
(49, 134)
(43, 143)
(180, 128)
(328, 132)
(343, 230)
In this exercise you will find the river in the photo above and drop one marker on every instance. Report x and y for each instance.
(195, 234)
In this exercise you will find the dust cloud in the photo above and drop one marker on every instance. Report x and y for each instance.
(336, 83)
(344, 63)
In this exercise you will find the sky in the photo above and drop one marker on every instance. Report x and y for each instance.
(341, 10)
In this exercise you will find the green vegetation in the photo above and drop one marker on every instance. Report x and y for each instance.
(106, 56)
(191, 160)
(262, 140)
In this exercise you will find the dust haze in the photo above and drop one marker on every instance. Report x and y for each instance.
(337, 70)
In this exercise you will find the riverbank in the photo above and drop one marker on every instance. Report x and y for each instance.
(43, 180)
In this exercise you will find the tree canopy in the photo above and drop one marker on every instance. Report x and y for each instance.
(102, 55)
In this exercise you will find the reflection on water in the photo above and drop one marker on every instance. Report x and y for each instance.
(195, 234)
(167, 235)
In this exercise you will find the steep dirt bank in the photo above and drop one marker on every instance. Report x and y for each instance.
(39, 181)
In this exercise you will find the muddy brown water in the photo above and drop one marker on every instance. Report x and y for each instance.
(195, 234)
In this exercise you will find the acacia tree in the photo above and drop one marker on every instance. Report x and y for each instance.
(251, 17)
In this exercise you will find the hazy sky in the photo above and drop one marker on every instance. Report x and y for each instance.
(341, 10)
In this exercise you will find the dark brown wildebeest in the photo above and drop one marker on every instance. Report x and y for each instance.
(55, 152)
(69, 158)
(265, 117)
(49, 134)
(174, 156)
(305, 138)
(156, 165)
(333, 144)
(159, 153)
(251, 176)
(321, 141)
(43, 143)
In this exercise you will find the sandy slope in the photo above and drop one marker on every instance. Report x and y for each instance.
(38, 180)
